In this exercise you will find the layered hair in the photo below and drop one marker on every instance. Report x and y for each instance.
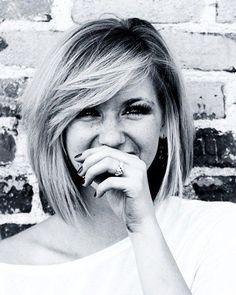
(88, 66)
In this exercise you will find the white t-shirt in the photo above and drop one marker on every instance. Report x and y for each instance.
(201, 236)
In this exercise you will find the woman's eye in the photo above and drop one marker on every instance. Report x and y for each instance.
(89, 112)
(137, 110)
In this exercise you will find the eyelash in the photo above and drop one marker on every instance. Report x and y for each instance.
(88, 112)
(133, 110)
(140, 109)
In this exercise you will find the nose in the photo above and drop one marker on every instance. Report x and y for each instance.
(111, 133)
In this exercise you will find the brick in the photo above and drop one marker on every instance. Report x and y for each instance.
(7, 147)
(167, 11)
(3, 44)
(206, 99)
(15, 195)
(188, 192)
(226, 11)
(10, 91)
(214, 149)
(30, 9)
(215, 188)
(10, 229)
(26, 48)
(200, 50)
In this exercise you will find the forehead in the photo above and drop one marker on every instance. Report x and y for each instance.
(142, 90)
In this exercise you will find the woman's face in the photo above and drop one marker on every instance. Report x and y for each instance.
(130, 121)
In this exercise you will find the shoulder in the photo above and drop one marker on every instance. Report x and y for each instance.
(195, 216)
(16, 249)
(35, 245)
(195, 207)
(213, 211)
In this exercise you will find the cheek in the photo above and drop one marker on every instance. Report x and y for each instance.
(150, 147)
(77, 138)
(148, 139)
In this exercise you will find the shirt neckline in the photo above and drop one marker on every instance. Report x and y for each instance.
(97, 256)
(102, 254)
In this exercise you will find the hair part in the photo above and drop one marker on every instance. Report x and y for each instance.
(87, 67)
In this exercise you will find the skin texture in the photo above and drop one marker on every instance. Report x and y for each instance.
(126, 128)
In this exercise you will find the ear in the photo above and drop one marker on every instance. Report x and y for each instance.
(163, 133)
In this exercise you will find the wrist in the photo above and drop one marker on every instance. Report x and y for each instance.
(144, 227)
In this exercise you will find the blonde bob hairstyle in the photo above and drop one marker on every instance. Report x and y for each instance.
(87, 67)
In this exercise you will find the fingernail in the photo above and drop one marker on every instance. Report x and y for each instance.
(77, 156)
(82, 180)
(80, 169)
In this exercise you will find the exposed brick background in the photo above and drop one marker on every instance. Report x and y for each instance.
(214, 148)
(226, 11)
(207, 99)
(10, 229)
(16, 195)
(203, 50)
(7, 147)
(28, 9)
(26, 48)
(10, 90)
(167, 11)
(3, 44)
(201, 35)
(218, 188)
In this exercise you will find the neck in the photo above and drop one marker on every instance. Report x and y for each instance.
(102, 224)
(96, 207)
(90, 234)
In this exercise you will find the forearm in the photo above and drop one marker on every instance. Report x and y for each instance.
(157, 268)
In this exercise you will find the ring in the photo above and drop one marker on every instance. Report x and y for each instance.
(120, 169)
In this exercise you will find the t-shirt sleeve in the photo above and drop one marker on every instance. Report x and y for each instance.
(216, 272)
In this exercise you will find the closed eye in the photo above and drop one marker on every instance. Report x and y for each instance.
(136, 110)
(88, 112)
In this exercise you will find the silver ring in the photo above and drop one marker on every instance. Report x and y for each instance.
(120, 169)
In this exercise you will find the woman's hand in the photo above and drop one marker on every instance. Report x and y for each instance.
(128, 194)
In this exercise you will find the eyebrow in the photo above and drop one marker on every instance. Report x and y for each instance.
(136, 99)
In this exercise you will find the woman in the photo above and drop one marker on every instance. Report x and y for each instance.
(110, 141)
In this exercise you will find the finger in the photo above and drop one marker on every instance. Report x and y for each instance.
(96, 158)
(105, 165)
(82, 156)
(103, 150)
(111, 154)
(117, 183)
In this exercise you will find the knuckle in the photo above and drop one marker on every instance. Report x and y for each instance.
(134, 156)
(85, 167)
(105, 148)
(86, 164)
(89, 174)
(143, 165)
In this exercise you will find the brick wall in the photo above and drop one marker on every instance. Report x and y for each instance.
(202, 35)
